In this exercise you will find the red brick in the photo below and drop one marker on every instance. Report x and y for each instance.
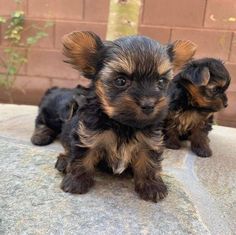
(9, 6)
(67, 83)
(25, 83)
(45, 42)
(221, 14)
(232, 70)
(210, 43)
(70, 83)
(223, 122)
(63, 28)
(49, 63)
(160, 34)
(96, 11)
(174, 13)
(60, 9)
(1, 34)
(229, 113)
(233, 50)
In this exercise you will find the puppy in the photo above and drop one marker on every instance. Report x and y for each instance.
(195, 94)
(120, 121)
(57, 106)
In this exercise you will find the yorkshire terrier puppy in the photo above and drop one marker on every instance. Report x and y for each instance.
(119, 120)
(195, 94)
(57, 106)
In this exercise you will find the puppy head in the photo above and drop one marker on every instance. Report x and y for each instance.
(206, 80)
(130, 74)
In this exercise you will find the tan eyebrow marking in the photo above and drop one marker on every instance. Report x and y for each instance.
(164, 66)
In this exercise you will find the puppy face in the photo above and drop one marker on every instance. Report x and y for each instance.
(207, 81)
(130, 74)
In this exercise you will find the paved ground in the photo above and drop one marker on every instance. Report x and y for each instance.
(202, 197)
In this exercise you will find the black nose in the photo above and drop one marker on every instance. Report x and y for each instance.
(147, 109)
(225, 105)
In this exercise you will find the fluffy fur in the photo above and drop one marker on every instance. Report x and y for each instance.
(57, 106)
(119, 120)
(196, 94)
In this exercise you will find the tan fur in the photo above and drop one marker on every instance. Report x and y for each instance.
(185, 121)
(122, 63)
(118, 157)
(164, 66)
(91, 159)
(79, 47)
(108, 108)
(197, 98)
(152, 141)
(161, 104)
(183, 51)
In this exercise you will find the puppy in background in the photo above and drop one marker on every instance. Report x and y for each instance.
(57, 106)
(195, 94)
(120, 121)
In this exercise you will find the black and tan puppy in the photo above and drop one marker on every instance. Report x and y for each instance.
(57, 106)
(119, 121)
(196, 94)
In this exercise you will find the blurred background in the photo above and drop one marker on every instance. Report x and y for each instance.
(31, 32)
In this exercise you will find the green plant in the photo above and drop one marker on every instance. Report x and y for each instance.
(13, 56)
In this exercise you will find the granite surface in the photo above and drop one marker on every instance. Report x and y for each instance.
(201, 200)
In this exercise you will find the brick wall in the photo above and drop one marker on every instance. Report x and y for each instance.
(211, 24)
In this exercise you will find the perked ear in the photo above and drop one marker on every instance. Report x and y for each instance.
(181, 51)
(199, 76)
(82, 50)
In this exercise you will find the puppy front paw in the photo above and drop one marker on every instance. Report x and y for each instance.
(43, 136)
(201, 151)
(170, 144)
(151, 190)
(78, 184)
(61, 163)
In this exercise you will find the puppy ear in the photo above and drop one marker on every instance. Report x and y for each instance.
(197, 76)
(82, 50)
(180, 52)
(68, 111)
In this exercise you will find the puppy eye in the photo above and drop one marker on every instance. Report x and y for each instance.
(216, 90)
(121, 82)
(161, 83)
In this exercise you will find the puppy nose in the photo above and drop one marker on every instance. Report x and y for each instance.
(147, 109)
(225, 105)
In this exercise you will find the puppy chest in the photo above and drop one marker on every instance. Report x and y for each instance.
(185, 121)
(118, 152)
(107, 144)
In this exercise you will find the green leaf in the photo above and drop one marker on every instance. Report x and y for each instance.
(48, 24)
(31, 40)
(8, 50)
(2, 19)
(41, 34)
(18, 14)
(12, 70)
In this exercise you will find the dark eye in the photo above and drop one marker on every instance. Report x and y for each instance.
(161, 83)
(216, 90)
(121, 81)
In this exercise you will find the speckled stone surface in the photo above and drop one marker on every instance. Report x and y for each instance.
(201, 196)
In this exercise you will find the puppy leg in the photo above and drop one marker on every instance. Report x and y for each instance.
(200, 143)
(62, 162)
(79, 176)
(172, 139)
(42, 135)
(148, 182)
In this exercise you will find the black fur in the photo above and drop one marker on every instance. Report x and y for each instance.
(196, 93)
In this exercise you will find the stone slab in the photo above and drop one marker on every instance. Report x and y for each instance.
(201, 196)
